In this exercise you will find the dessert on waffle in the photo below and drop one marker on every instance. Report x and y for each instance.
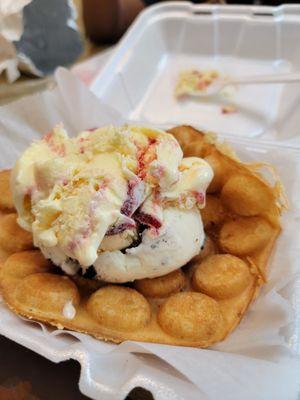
(157, 275)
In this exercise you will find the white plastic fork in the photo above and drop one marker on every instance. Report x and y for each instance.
(218, 84)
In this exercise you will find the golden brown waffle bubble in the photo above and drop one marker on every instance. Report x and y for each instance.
(222, 276)
(119, 307)
(243, 236)
(197, 305)
(162, 286)
(12, 237)
(46, 292)
(6, 200)
(22, 264)
(246, 195)
(187, 137)
(191, 316)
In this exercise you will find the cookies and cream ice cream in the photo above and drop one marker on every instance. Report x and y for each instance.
(123, 200)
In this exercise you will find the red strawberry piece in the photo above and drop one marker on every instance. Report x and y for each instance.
(132, 201)
(147, 219)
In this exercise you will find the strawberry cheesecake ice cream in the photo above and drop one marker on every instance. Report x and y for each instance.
(120, 202)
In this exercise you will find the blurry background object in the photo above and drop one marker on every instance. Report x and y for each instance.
(106, 20)
(50, 37)
(37, 36)
(11, 28)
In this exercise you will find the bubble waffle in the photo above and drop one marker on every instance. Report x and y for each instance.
(197, 305)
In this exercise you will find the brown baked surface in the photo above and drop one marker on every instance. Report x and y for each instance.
(198, 305)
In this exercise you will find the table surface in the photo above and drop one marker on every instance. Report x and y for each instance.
(25, 375)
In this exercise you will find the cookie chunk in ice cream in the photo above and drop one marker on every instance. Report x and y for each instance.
(123, 200)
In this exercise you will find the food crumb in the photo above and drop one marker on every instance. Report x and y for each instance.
(229, 109)
(193, 81)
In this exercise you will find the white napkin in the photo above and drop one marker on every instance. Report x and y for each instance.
(258, 360)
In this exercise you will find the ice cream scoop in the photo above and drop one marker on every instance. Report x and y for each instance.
(105, 197)
(172, 246)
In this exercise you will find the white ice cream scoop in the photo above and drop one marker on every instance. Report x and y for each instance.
(177, 242)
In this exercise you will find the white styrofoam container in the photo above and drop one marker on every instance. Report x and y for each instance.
(139, 79)
(136, 82)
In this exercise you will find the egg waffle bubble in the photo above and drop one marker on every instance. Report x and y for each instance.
(197, 305)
